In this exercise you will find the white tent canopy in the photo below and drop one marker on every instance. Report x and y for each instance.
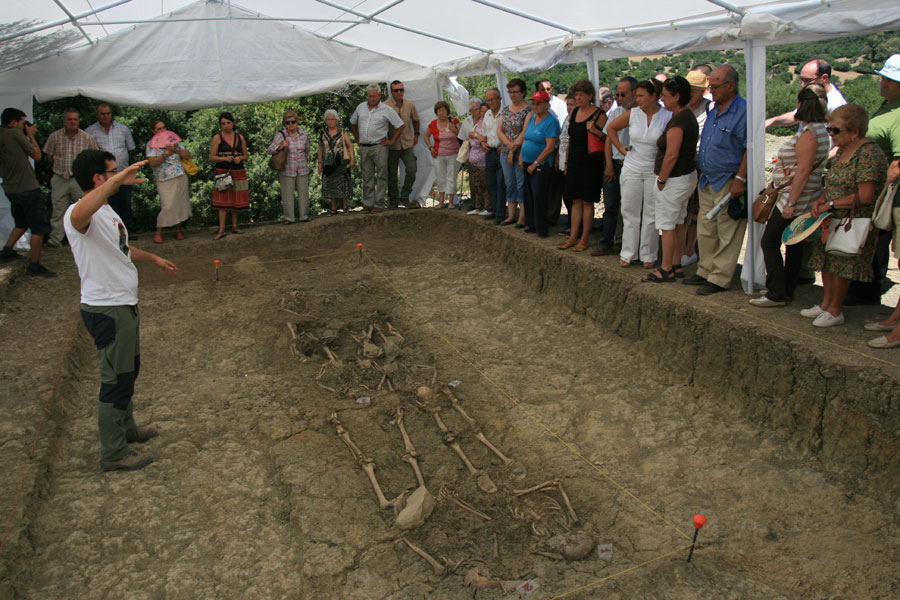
(179, 55)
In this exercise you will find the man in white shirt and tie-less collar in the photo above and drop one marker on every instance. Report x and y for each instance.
(370, 123)
(557, 106)
(495, 181)
(115, 138)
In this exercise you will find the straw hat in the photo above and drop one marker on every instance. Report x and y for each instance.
(802, 227)
(697, 79)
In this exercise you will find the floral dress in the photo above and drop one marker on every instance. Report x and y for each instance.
(868, 163)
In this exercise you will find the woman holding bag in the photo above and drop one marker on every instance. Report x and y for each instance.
(442, 142)
(854, 180)
(335, 154)
(295, 174)
(798, 179)
(228, 151)
(171, 184)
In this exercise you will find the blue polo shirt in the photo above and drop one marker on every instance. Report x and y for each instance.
(722, 144)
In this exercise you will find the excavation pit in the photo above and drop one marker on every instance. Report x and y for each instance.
(648, 404)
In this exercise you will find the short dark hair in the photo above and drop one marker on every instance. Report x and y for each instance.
(630, 81)
(823, 67)
(11, 114)
(71, 110)
(584, 86)
(441, 104)
(89, 163)
(680, 86)
(395, 82)
(519, 83)
(227, 116)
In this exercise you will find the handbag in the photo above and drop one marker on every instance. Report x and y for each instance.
(881, 217)
(278, 160)
(737, 207)
(595, 143)
(224, 182)
(765, 203)
(847, 236)
(463, 154)
(189, 166)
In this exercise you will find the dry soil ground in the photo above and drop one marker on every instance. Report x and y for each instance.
(254, 495)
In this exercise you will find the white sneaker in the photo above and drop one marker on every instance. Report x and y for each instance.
(485, 213)
(472, 212)
(811, 313)
(764, 302)
(826, 320)
(688, 260)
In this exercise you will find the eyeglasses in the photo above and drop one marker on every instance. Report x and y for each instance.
(715, 87)
(619, 95)
(291, 122)
(515, 91)
(398, 90)
(833, 130)
(116, 170)
(809, 80)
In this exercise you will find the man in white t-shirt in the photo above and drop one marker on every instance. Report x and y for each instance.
(557, 104)
(815, 71)
(109, 298)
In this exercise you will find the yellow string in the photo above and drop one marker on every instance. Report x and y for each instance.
(281, 260)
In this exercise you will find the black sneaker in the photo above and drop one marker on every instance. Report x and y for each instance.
(694, 280)
(39, 270)
(9, 254)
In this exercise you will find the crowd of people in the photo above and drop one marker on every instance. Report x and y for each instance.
(666, 156)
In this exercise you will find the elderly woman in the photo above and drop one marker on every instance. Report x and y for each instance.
(171, 184)
(442, 141)
(584, 170)
(228, 151)
(335, 155)
(676, 176)
(472, 130)
(855, 178)
(295, 175)
(798, 179)
(512, 122)
(645, 123)
(536, 161)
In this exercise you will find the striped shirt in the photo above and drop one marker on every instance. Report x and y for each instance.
(117, 141)
(64, 149)
(787, 164)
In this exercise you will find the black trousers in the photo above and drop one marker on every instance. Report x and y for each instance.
(537, 198)
(781, 275)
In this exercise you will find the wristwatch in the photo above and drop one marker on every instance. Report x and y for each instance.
(831, 203)
(741, 179)
(660, 182)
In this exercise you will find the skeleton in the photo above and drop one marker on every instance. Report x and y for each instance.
(516, 470)
(481, 478)
(445, 494)
(547, 486)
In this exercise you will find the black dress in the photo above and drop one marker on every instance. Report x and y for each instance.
(584, 175)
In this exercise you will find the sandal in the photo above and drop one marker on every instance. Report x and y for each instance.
(157, 239)
(237, 231)
(566, 244)
(179, 235)
(679, 272)
(219, 235)
(663, 277)
(624, 263)
(649, 265)
(580, 247)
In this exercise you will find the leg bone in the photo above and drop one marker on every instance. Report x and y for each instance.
(439, 569)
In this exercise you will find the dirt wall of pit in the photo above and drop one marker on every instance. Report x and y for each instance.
(835, 407)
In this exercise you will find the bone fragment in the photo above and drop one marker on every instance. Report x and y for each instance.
(439, 569)
(411, 454)
(496, 546)
(424, 392)
(455, 402)
(331, 356)
(345, 436)
(393, 331)
(446, 493)
(368, 465)
(481, 478)
(474, 578)
(554, 484)
(565, 498)
(293, 331)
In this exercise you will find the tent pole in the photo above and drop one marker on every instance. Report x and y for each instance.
(527, 16)
(755, 60)
(501, 84)
(593, 73)
(44, 26)
(374, 14)
(73, 20)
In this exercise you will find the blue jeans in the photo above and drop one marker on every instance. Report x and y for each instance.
(515, 179)
(495, 183)
(612, 204)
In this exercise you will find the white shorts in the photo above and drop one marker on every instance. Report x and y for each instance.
(672, 201)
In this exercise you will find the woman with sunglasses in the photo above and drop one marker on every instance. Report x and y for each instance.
(798, 179)
(855, 178)
(171, 184)
(228, 151)
(295, 174)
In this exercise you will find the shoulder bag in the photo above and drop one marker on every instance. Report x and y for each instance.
(463, 154)
(224, 181)
(189, 166)
(881, 217)
(278, 160)
(595, 143)
(765, 202)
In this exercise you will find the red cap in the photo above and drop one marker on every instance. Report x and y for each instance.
(699, 521)
(541, 96)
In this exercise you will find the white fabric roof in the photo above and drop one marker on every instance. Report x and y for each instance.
(212, 53)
